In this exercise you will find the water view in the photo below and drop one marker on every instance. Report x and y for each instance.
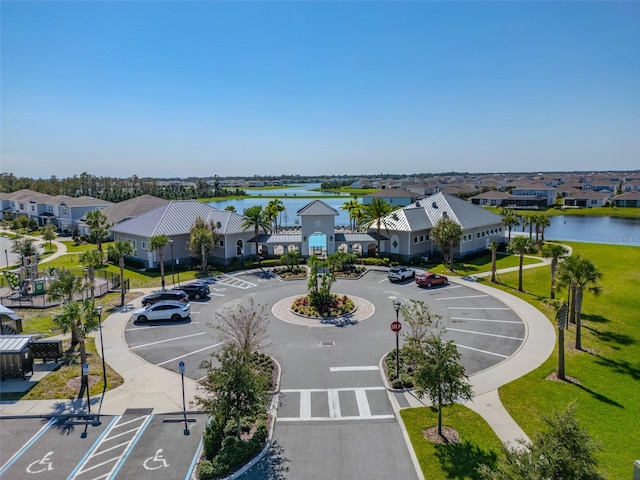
(619, 231)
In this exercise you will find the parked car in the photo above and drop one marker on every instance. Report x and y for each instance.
(400, 273)
(176, 295)
(429, 279)
(195, 290)
(164, 310)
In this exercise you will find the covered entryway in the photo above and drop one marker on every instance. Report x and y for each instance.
(318, 245)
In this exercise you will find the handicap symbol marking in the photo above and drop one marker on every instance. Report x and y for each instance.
(41, 465)
(157, 458)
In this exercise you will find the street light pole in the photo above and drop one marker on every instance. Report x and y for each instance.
(6, 257)
(173, 264)
(396, 306)
(98, 310)
(184, 405)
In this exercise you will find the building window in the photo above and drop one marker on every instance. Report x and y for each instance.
(422, 238)
(221, 243)
(427, 237)
(33, 208)
(415, 239)
(478, 234)
(64, 210)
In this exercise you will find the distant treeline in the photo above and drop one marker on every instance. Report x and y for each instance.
(117, 189)
(335, 185)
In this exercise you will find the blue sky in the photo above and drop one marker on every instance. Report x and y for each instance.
(175, 89)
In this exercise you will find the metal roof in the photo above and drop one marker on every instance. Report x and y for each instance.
(317, 207)
(177, 217)
(278, 238)
(14, 343)
(359, 237)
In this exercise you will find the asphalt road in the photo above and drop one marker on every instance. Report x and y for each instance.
(335, 418)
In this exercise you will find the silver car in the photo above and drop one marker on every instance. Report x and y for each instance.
(165, 310)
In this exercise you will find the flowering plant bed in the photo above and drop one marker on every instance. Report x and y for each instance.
(337, 306)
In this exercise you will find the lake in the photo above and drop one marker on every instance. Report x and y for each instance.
(619, 231)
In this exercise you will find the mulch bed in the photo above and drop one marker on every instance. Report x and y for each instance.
(449, 435)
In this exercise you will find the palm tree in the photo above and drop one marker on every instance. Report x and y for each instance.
(446, 234)
(510, 220)
(202, 241)
(543, 222)
(271, 211)
(91, 259)
(520, 245)
(254, 217)
(80, 317)
(354, 209)
(157, 244)
(554, 251)
(65, 288)
(493, 247)
(376, 213)
(119, 250)
(578, 274)
(98, 227)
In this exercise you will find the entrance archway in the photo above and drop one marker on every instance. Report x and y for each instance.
(318, 244)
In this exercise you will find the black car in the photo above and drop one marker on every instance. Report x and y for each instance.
(177, 295)
(195, 290)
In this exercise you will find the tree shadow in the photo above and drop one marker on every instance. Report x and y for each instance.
(624, 367)
(274, 465)
(594, 394)
(594, 318)
(612, 337)
(461, 460)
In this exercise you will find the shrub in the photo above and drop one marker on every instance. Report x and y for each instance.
(397, 383)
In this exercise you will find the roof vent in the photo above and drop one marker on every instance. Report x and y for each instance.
(434, 205)
(218, 225)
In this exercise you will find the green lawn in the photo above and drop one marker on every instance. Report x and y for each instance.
(607, 390)
(623, 212)
(478, 443)
(482, 264)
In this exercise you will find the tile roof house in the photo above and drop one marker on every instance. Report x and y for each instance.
(627, 199)
(587, 199)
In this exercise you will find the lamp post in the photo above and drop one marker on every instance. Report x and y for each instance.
(184, 405)
(172, 264)
(6, 257)
(396, 328)
(98, 310)
(85, 384)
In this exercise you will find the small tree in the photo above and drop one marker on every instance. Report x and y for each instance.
(80, 317)
(201, 241)
(243, 326)
(48, 233)
(291, 259)
(520, 245)
(234, 389)
(65, 288)
(24, 247)
(441, 376)
(321, 279)
(91, 259)
(493, 247)
(98, 227)
(419, 320)
(157, 244)
(446, 235)
(119, 250)
(510, 220)
(555, 252)
(564, 451)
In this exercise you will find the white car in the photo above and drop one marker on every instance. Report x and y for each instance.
(165, 310)
(400, 273)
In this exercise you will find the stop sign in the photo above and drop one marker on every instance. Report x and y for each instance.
(396, 326)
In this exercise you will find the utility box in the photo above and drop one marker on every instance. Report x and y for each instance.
(10, 323)
(39, 286)
(636, 470)
(15, 356)
(46, 350)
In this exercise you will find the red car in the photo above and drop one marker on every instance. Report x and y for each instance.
(429, 279)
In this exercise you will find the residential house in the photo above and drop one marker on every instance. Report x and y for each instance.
(627, 199)
(536, 194)
(587, 199)
(393, 196)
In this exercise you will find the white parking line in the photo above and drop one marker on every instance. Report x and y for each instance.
(485, 320)
(482, 351)
(334, 403)
(485, 334)
(167, 340)
(187, 354)
(461, 298)
(354, 369)
(363, 403)
(156, 326)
